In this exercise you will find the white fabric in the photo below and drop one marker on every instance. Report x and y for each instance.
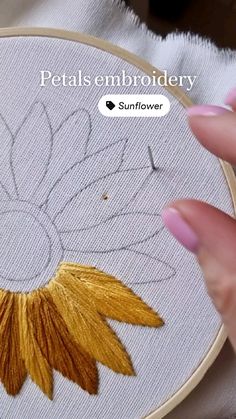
(179, 54)
(64, 157)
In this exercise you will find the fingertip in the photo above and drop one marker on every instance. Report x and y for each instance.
(211, 229)
(216, 132)
(179, 228)
(205, 110)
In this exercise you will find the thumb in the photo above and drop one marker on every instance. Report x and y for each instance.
(211, 235)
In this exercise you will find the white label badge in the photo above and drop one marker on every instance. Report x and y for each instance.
(134, 105)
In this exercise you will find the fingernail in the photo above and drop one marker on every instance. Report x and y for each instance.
(231, 97)
(180, 229)
(206, 110)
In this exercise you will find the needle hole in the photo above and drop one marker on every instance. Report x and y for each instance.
(105, 197)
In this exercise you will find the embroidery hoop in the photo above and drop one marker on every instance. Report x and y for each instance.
(176, 92)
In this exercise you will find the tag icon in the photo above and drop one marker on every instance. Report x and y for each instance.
(110, 105)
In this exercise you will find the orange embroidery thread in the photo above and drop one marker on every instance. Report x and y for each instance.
(62, 326)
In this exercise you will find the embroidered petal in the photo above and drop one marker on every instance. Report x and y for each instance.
(12, 368)
(76, 305)
(109, 295)
(69, 147)
(63, 327)
(116, 233)
(36, 365)
(88, 207)
(31, 151)
(81, 175)
(6, 174)
(57, 344)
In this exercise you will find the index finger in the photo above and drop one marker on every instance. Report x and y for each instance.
(216, 132)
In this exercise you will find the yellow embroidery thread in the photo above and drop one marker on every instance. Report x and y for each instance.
(62, 326)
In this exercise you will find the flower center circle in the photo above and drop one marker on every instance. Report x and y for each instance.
(30, 247)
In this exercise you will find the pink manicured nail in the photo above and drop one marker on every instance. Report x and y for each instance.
(231, 97)
(206, 110)
(180, 229)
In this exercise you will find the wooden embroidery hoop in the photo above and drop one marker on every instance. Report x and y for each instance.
(178, 93)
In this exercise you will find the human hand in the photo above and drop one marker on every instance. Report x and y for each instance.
(204, 230)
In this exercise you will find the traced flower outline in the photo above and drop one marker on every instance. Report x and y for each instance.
(50, 194)
(67, 177)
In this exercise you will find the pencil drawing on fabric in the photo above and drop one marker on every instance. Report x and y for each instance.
(58, 319)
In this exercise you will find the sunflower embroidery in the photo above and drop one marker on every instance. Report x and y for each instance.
(53, 309)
